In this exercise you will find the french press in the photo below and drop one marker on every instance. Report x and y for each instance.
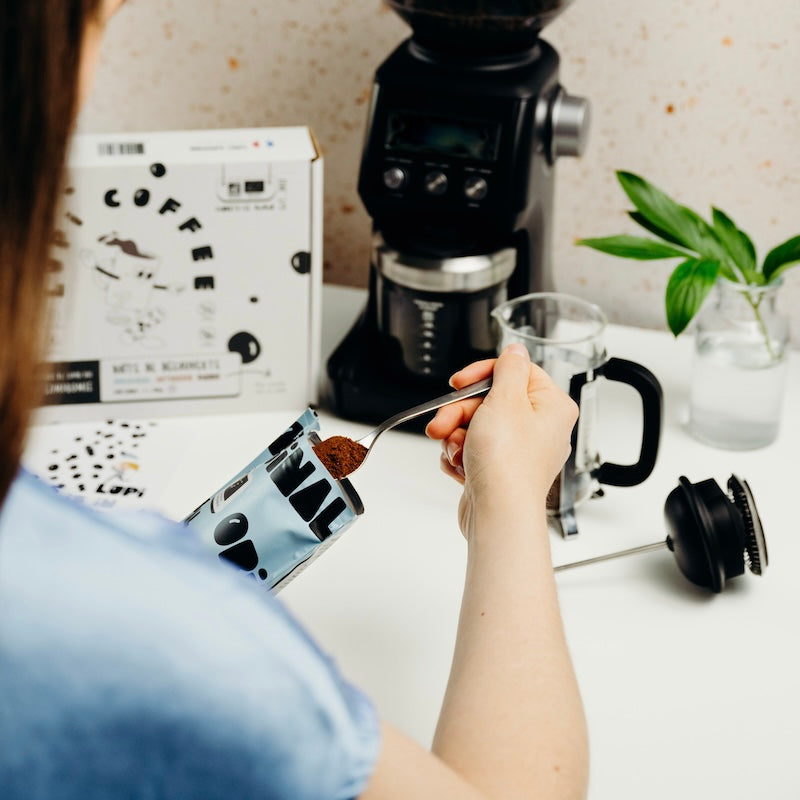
(564, 335)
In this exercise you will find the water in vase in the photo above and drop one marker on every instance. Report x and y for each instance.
(737, 392)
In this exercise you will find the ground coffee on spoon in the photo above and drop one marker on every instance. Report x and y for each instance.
(340, 455)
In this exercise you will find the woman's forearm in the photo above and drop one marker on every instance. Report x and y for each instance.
(512, 721)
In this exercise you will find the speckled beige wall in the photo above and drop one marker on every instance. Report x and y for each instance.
(700, 96)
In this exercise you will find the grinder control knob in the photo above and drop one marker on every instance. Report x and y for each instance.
(436, 182)
(569, 120)
(476, 187)
(394, 178)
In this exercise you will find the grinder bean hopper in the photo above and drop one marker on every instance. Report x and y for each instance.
(466, 122)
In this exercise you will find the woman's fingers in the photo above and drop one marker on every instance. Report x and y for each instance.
(456, 473)
(450, 417)
(456, 415)
(453, 447)
(473, 373)
(512, 374)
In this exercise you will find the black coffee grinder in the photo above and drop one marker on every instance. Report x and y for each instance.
(466, 121)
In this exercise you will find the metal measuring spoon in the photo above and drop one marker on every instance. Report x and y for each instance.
(342, 456)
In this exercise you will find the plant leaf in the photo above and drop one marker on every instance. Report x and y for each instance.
(741, 252)
(683, 224)
(642, 220)
(737, 243)
(780, 258)
(633, 247)
(688, 286)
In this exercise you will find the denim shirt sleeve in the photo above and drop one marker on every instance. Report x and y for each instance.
(133, 665)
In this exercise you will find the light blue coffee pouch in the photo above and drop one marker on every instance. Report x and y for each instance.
(281, 511)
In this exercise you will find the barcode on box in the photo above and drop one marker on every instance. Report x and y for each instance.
(120, 148)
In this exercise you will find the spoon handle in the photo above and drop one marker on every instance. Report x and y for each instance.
(473, 390)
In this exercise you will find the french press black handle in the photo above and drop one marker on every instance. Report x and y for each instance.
(649, 389)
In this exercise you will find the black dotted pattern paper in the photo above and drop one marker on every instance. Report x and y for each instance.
(100, 462)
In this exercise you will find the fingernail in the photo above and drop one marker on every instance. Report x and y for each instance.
(460, 471)
(518, 349)
(453, 451)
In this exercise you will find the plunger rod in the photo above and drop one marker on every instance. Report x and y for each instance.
(645, 548)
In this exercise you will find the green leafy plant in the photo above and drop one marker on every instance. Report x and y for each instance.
(707, 250)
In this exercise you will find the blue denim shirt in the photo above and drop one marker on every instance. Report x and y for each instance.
(135, 665)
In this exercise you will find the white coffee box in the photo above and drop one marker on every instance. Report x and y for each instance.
(186, 275)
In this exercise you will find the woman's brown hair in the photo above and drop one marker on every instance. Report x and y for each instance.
(40, 47)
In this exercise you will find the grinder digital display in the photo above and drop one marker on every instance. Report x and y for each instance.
(413, 132)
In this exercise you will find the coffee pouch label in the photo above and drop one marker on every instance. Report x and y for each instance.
(281, 511)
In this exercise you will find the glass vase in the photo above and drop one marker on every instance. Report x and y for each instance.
(740, 365)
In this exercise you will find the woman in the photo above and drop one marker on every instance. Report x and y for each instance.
(133, 665)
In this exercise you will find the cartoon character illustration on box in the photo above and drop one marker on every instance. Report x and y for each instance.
(129, 279)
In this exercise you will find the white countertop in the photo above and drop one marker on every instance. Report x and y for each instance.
(687, 694)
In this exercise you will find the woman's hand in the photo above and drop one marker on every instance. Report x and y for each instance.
(516, 439)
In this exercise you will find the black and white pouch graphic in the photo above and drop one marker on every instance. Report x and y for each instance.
(282, 511)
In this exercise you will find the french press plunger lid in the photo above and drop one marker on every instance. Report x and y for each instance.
(713, 536)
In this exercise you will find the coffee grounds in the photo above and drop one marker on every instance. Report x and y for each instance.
(340, 455)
